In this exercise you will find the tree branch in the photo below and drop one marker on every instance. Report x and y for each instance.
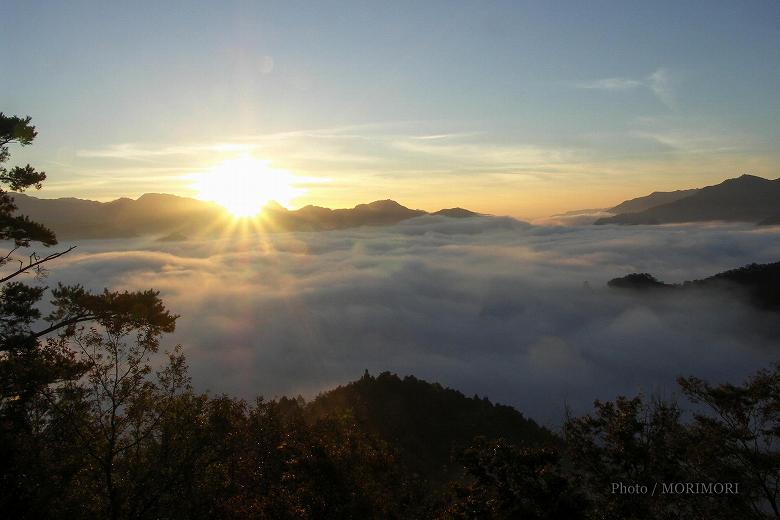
(33, 264)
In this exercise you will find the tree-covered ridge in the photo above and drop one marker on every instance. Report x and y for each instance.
(427, 422)
(758, 283)
(178, 454)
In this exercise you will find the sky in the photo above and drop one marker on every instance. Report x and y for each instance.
(510, 108)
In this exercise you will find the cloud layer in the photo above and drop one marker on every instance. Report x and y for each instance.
(491, 306)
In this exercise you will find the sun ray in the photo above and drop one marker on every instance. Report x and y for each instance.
(244, 185)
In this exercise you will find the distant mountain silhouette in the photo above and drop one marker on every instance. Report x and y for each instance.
(176, 218)
(657, 198)
(456, 213)
(745, 199)
(759, 284)
(427, 422)
(315, 218)
(577, 212)
(149, 214)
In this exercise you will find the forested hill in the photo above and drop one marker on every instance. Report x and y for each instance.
(759, 284)
(426, 422)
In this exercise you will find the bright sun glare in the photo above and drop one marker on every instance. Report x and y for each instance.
(244, 185)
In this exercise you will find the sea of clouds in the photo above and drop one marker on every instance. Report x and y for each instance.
(488, 305)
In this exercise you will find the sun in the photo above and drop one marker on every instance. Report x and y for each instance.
(244, 185)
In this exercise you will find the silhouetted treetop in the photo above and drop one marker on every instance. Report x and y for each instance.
(20, 229)
(636, 281)
(15, 129)
(114, 310)
(758, 283)
(430, 423)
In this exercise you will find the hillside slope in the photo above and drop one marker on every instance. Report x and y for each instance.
(426, 421)
(745, 199)
(657, 198)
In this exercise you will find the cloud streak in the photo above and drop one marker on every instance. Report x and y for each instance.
(660, 83)
(611, 84)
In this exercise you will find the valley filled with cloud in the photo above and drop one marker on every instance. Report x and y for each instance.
(517, 312)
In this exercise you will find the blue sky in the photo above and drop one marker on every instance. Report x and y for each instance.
(521, 108)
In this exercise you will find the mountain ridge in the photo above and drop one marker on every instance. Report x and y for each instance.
(176, 216)
(759, 284)
(646, 202)
(746, 198)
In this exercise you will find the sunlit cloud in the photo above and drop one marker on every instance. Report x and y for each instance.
(134, 151)
(488, 153)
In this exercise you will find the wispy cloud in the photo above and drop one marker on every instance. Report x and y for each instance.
(138, 152)
(381, 148)
(690, 141)
(695, 135)
(610, 84)
(660, 83)
(487, 154)
(443, 137)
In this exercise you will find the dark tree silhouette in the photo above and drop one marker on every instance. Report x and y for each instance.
(25, 364)
(510, 481)
(32, 359)
(740, 435)
(18, 130)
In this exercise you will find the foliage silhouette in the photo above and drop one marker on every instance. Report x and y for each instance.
(38, 359)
